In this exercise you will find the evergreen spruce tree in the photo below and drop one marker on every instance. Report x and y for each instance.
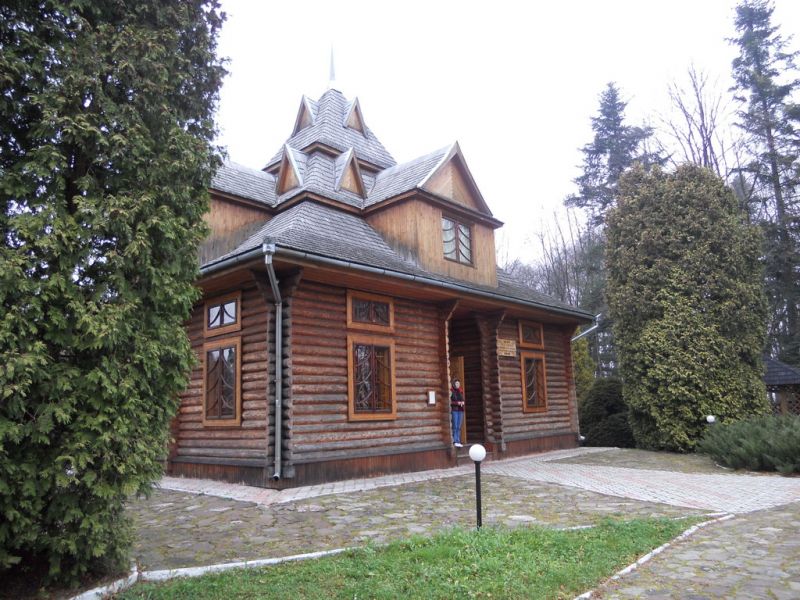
(616, 147)
(106, 129)
(685, 289)
(766, 80)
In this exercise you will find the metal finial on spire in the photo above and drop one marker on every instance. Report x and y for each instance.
(332, 76)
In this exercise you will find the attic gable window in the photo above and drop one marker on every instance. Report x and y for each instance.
(457, 238)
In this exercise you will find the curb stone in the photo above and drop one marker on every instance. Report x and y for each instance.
(646, 558)
(135, 575)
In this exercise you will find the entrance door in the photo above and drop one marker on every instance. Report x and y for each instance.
(457, 372)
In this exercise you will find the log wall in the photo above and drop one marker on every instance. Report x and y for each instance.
(320, 428)
(558, 418)
(244, 445)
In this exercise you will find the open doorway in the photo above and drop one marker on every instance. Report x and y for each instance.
(465, 363)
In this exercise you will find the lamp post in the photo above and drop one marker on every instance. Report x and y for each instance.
(711, 419)
(477, 453)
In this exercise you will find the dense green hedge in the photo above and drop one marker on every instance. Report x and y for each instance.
(604, 416)
(770, 443)
(685, 289)
(106, 155)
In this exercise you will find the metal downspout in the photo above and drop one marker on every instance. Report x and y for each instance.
(590, 330)
(268, 249)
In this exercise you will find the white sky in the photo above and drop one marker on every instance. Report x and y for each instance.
(514, 82)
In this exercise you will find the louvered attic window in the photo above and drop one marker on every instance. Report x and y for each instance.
(457, 239)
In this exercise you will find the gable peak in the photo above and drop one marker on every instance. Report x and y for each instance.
(354, 119)
(348, 174)
(306, 115)
(290, 175)
(451, 179)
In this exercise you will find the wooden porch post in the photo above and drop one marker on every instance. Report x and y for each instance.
(488, 325)
(446, 311)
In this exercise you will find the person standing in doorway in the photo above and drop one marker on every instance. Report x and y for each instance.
(456, 411)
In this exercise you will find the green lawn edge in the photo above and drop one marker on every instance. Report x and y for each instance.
(525, 562)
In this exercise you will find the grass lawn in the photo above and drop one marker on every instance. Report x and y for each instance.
(530, 562)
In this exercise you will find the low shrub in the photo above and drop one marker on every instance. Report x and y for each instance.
(770, 443)
(604, 415)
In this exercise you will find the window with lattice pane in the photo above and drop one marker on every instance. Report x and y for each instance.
(371, 393)
(531, 335)
(222, 315)
(534, 382)
(221, 382)
(370, 312)
(457, 239)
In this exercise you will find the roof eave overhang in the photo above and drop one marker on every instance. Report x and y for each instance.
(439, 201)
(249, 256)
(243, 200)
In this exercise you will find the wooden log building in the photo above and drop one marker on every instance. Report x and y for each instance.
(341, 294)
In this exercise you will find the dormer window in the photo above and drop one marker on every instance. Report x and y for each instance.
(457, 238)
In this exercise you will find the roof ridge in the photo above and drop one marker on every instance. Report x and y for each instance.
(247, 169)
(399, 167)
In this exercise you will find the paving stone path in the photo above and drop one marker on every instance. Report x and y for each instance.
(756, 554)
(726, 492)
(180, 529)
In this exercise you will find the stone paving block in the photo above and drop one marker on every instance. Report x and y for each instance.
(754, 555)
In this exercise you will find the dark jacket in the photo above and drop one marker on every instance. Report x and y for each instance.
(456, 399)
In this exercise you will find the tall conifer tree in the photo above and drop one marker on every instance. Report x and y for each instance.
(615, 147)
(766, 87)
(106, 129)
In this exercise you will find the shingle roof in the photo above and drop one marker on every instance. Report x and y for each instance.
(242, 181)
(403, 178)
(330, 233)
(328, 128)
(319, 177)
(317, 229)
(779, 373)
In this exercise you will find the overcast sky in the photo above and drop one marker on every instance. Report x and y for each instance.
(514, 82)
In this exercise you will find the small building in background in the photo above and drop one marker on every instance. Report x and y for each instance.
(783, 386)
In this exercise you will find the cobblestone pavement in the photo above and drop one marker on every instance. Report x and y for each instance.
(178, 529)
(644, 459)
(729, 492)
(756, 555)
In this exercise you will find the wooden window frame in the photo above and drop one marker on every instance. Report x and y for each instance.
(471, 228)
(526, 354)
(523, 344)
(222, 300)
(235, 342)
(353, 324)
(371, 340)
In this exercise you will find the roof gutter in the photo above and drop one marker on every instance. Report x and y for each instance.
(336, 262)
(590, 330)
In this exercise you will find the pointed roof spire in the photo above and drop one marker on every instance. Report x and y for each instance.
(332, 75)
